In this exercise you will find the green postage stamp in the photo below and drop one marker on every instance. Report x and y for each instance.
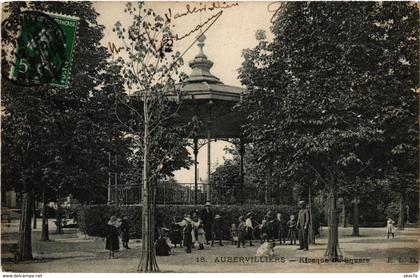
(44, 48)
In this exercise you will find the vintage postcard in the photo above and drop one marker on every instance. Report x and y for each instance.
(185, 137)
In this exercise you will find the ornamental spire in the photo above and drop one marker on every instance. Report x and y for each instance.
(201, 65)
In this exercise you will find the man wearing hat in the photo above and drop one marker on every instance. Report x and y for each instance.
(208, 218)
(303, 226)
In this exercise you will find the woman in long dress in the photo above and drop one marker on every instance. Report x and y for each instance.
(112, 241)
(187, 230)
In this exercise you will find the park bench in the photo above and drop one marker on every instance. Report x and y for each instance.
(5, 217)
(63, 222)
(66, 223)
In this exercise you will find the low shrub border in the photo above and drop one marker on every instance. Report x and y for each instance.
(93, 218)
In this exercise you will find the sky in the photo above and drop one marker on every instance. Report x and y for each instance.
(233, 31)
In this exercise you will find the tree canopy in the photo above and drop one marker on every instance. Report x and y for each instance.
(324, 94)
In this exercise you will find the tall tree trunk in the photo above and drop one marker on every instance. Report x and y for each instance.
(332, 248)
(148, 261)
(356, 218)
(44, 231)
(239, 193)
(25, 236)
(401, 215)
(311, 217)
(34, 213)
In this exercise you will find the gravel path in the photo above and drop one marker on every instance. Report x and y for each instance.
(71, 252)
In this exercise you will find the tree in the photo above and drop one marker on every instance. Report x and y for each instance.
(55, 141)
(150, 67)
(316, 95)
(399, 79)
(225, 179)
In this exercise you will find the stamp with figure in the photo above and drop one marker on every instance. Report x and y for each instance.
(43, 49)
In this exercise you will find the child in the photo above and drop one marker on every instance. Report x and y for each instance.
(234, 234)
(292, 230)
(241, 232)
(264, 231)
(279, 229)
(249, 227)
(175, 234)
(390, 226)
(198, 230)
(217, 230)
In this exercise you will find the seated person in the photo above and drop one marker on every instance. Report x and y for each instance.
(265, 250)
(161, 245)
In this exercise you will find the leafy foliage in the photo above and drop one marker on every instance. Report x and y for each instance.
(60, 137)
(325, 95)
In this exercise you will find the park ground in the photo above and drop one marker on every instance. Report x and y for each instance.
(73, 252)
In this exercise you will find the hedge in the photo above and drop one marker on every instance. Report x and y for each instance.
(93, 218)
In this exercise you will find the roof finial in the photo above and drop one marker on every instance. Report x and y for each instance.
(201, 38)
(201, 65)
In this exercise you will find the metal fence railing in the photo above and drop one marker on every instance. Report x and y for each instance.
(181, 193)
(185, 194)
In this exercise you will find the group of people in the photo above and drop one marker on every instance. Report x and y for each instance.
(196, 228)
(205, 228)
(273, 228)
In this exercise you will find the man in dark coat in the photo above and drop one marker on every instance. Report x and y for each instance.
(125, 232)
(303, 226)
(208, 218)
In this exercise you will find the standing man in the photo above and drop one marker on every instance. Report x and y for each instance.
(208, 219)
(125, 232)
(303, 226)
